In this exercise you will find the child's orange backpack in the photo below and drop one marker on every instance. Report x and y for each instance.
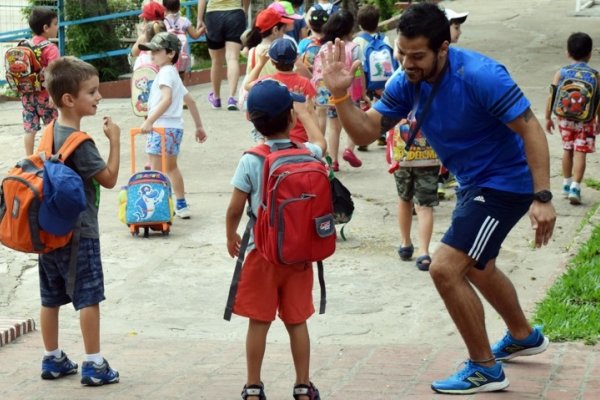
(22, 192)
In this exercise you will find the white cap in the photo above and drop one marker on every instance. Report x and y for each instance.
(456, 16)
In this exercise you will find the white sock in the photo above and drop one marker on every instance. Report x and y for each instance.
(567, 182)
(95, 358)
(56, 353)
(576, 185)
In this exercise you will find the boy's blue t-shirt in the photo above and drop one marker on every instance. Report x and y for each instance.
(466, 123)
(248, 175)
(303, 44)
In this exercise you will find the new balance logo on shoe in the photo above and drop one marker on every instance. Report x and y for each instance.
(477, 379)
(480, 199)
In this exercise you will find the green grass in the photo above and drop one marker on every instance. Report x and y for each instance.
(571, 309)
(592, 183)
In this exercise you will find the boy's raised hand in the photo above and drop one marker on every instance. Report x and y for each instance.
(111, 130)
(336, 74)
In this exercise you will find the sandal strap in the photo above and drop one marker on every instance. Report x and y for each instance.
(302, 389)
(253, 390)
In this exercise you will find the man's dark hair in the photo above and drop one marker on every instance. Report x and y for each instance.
(427, 20)
(269, 126)
(171, 5)
(368, 18)
(579, 46)
(39, 17)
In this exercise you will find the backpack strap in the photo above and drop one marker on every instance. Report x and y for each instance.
(366, 36)
(323, 300)
(237, 272)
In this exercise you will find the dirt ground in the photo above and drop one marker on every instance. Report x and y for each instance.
(176, 286)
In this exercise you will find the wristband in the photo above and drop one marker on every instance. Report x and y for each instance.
(338, 100)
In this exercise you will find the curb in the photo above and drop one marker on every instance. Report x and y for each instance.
(12, 328)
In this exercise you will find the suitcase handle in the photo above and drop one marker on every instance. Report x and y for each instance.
(163, 145)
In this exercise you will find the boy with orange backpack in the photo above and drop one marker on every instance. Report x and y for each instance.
(73, 85)
(25, 66)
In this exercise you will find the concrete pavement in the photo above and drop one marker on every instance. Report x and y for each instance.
(386, 334)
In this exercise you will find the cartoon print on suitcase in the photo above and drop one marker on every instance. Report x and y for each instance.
(148, 198)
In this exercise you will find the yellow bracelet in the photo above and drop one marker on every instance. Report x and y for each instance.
(336, 101)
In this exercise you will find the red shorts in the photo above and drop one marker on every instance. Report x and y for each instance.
(578, 136)
(265, 288)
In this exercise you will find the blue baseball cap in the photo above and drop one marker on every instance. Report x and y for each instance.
(63, 199)
(270, 98)
(283, 51)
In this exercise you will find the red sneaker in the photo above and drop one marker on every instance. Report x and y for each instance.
(351, 158)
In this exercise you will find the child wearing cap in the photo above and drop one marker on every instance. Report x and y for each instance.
(282, 53)
(456, 20)
(265, 288)
(73, 85)
(165, 110)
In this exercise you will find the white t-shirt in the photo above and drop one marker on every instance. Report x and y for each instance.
(173, 117)
(144, 58)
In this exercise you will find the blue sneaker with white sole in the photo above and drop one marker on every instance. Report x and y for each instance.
(508, 347)
(93, 374)
(473, 378)
(56, 367)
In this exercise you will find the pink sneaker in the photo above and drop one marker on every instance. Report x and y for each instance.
(351, 158)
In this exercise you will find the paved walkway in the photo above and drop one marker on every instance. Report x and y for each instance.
(162, 325)
(208, 369)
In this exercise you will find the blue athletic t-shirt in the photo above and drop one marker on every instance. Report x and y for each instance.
(466, 123)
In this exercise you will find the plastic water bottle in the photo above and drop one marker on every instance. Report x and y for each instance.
(356, 87)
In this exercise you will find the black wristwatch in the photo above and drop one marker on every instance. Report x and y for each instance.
(543, 196)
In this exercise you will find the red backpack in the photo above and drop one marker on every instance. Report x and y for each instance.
(23, 65)
(295, 221)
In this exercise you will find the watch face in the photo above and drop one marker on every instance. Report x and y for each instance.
(543, 196)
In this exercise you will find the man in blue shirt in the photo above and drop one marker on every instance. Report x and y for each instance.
(482, 128)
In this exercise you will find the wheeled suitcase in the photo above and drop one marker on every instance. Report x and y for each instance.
(148, 199)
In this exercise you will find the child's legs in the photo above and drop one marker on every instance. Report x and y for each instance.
(89, 321)
(333, 135)
(31, 120)
(425, 199)
(567, 163)
(405, 188)
(49, 326)
(579, 164)
(300, 346)
(256, 342)
(172, 171)
(217, 58)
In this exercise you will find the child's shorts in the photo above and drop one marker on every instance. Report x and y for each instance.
(174, 137)
(578, 136)
(418, 183)
(89, 283)
(265, 288)
(36, 106)
(482, 219)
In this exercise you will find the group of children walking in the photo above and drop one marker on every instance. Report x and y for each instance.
(287, 100)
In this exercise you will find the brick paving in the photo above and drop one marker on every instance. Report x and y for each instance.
(152, 368)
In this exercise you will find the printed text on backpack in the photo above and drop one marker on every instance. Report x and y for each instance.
(576, 96)
(295, 221)
(21, 196)
(379, 62)
(23, 66)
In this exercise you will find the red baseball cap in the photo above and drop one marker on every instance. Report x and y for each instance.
(153, 11)
(268, 18)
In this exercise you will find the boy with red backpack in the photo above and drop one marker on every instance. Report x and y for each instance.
(284, 286)
(25, 66)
